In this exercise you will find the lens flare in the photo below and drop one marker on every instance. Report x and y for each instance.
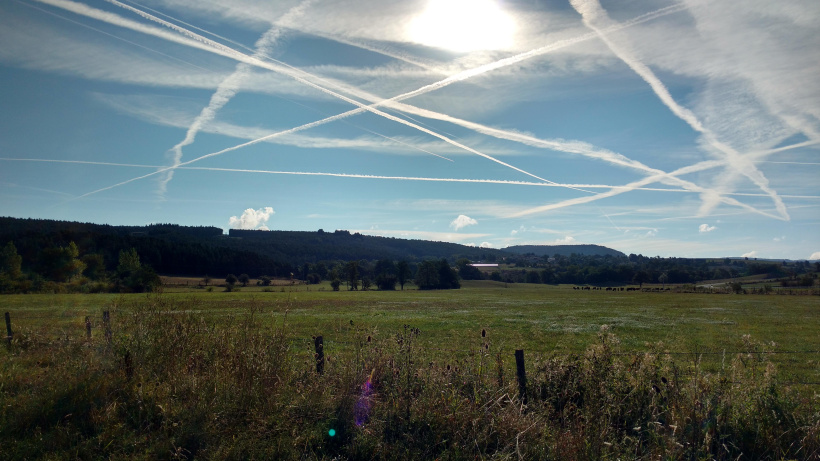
(365, 402)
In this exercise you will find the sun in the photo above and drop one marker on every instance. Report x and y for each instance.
(463, 26)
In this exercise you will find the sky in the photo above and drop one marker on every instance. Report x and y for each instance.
(683, 128)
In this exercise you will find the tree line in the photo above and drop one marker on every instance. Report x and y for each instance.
(89, 257)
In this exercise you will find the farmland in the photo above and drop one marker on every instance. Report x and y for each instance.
(186, 345)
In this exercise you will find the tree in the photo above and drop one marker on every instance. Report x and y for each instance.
(10, 261)
(663, 278)
(206, 280)
(641, 277)
(129, 262)
(352, 274)
(74, 266)
(403, 273)
(94, 266)
(386, 278)
(10, 269)
(134, 276)
(231, 279)
(447, 276)
(365, 283)
(335, 284)
(467, 271)
(61, 263)
(266, 281)
(427, 275)
(244, 279)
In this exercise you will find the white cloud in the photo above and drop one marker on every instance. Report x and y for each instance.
(485, 245)
(651, 233)
(815, 255)
(779, 239)
(462, 221)
(751, 254)
(252, 219)
(703, 228)
(567, 239)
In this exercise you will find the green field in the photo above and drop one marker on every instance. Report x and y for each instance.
(234, 374)
(540, 319)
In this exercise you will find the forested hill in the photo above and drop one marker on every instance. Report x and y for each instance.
(299, 247)
(564, 250)
(174, 249)
(167, 248)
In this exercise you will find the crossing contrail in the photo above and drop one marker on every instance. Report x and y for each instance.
(458, 77)
(301, 76)
(593, 15)
(225, 91)
(204, 43)
(288, 70)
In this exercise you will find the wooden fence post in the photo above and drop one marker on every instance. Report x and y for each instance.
(8, 328)
(88, 328)
(318, 343)
(522, 375)
(128, 364)
(107, 325)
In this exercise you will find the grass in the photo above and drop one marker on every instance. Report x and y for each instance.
(232, 375)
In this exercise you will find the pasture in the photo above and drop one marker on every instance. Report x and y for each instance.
(440, 362)
(540, 319)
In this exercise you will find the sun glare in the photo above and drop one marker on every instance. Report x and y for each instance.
(463, 25)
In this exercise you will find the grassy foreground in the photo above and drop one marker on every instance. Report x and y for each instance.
(412, 375)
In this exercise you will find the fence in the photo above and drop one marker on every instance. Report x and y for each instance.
(319, 351)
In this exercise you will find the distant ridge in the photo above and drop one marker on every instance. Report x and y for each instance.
(564, 250)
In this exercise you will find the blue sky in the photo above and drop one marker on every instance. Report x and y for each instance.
(667, 128)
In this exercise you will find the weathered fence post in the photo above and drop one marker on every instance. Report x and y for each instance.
(522, 375)
(107, 326)
(8, 328)
(88, 328)
(318, 343)
(129, 367)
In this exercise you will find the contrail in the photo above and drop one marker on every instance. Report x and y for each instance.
(648, 180)
(173, 58)
(580, 148)
(117, 20)
(206, 44)
(356, 43)
(225, 91)
(592, 14)
(685, 170)
(688, 186)
(240, 45)
(338, 175)
(459, 77)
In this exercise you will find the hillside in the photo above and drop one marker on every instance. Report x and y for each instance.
(181, 250)
(564, 250)
(300, 247)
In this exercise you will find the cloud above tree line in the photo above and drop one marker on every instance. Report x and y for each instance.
(252, 219)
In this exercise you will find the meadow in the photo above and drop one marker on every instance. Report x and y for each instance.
(410, 374)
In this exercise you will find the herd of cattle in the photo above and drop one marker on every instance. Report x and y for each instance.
(622, 289)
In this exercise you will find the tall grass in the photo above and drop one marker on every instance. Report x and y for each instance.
(175, 383)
